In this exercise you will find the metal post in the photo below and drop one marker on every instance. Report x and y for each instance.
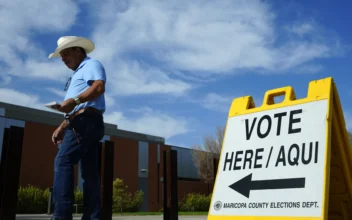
(165, 208)
(215, 166)
(5, 146)
(50, 201)
(107, 179)
(11, 171)
(174, 185)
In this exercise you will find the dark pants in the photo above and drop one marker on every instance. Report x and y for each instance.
(89, 128)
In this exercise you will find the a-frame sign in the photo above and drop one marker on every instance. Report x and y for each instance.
(288, 160)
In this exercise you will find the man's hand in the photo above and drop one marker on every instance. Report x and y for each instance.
(58, 135)
(67, 106)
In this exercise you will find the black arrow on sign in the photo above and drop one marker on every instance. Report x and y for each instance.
(245, 185)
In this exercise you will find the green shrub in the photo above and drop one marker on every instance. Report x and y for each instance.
(123, 201)
(195, 203)
(78, 197)
(32, 199)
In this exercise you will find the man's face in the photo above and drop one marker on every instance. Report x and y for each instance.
(71, 57)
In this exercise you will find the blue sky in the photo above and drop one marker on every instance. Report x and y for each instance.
(174, 66)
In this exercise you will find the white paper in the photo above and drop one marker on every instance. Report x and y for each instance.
(52, 105)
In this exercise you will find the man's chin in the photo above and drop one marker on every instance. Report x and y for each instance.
(70, 66)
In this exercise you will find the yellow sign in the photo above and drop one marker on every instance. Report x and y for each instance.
(287, 160)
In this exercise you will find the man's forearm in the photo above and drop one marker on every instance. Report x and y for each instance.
(64, 124)
(92, 92)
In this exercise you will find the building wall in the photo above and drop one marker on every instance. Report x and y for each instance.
(186, 187)
(38, 154)
(126, 162)
(190, 180)
(185, 165)
(138, 163)
(6, 123)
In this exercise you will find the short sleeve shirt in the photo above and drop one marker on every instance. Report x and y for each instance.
(87, 72)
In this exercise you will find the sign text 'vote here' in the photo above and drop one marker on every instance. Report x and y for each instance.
(290, 153)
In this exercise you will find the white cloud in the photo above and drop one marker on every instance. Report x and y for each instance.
(57, 92)
(217, 102)
(33, 101)
(297, 53)
(302, 28)
(144, 109)
(178, 144)
(12, 96)
(200, 37)
(58, 16)
(15, 97)
(150, 122)
(19, 98)
(18, 20)
(155, 47)
(306, 69)
(130, 78)
(179, 41)
(5, 79)
(109, 100)
(54, 70)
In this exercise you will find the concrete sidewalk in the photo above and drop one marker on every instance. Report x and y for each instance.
(117, 217)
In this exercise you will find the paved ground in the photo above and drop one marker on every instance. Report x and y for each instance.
(77, 217)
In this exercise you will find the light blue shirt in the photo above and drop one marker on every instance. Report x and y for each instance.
(88, 71)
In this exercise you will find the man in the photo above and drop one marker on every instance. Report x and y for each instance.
(79, 134)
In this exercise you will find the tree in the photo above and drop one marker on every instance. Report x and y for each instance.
(203, 155)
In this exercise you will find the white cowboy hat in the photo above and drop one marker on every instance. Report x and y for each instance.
(72, 41)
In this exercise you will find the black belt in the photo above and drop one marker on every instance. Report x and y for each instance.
(89, 109)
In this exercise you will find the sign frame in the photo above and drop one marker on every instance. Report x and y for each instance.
(337, 188)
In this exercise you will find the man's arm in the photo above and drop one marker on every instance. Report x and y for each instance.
(96, 79)
(64, 125)
(58, 134)
(97, 88)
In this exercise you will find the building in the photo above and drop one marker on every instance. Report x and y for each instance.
(137, 157)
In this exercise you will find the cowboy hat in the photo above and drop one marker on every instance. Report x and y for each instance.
(72, 41)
